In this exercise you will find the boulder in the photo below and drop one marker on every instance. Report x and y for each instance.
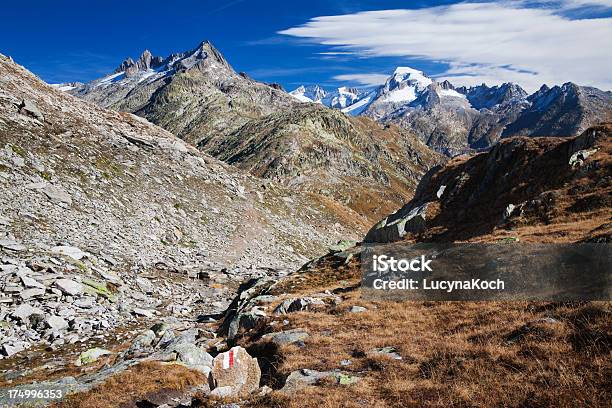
(287, 337)
(91, 355)
(69, 251)
(145, 285)
(303, 378)
(96, 288)
(297, 304)
(577, 159)
(143, 312)
(235, 369)
(31, 283)
(57, 194)
(12, 349)
(193, 357)
(12, 245)
(357, 309)
(69, 287)
(31, 293)
(24, 311)
(56, 323)
(142, 341)
(28, 108)
(409, 218)
(341, 246)
(389, 352)
(241, 306)
(246, 321)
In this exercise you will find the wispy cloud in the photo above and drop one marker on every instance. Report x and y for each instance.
(525, 42)
(362, 79)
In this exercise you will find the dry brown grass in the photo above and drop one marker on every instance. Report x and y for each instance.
(455, 354)
(126, 388)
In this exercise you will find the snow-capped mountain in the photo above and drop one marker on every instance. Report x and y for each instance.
(453, 119)
(339, 98)
(405, 85)
(312, 93)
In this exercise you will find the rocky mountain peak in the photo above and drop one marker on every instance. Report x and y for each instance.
(127, 63)
(206, 51)
(446, 85)
(486, 97)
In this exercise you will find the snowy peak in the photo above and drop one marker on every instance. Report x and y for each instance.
(404, 86)
(411, 76)
(339, 98)
(311, 93)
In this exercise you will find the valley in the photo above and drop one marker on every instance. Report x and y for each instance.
(177, 234)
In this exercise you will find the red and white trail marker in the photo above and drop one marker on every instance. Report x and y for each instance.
(228, 360)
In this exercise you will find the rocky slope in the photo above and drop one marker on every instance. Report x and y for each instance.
(356, 162)
(196, 95)
(106, 219)
(316, 338)
(281, 340)
(534, 189)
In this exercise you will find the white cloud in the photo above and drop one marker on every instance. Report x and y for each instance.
(363, 79)
(481, 42)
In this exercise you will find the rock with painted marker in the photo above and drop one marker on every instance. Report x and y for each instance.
(236, 369)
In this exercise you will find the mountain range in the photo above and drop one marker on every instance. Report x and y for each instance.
(199, 97)
(176, 234)
(454, 120)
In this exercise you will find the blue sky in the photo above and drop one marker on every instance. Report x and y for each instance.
(326, 42)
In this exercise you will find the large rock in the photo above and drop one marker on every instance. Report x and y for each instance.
(242, 312)
(69, 287)
(303, 378)
(32, 293)
(28, 108)
(235, 369)
(300, 379)
(56, 323)
(69, 251)
(57, 194)
(142, 342)
(297, 305)
(395, 226)
(91, 355)
(287, 337)
(12, 245)
(194, 357)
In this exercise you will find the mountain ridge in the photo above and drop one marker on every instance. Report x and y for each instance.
(454, 120)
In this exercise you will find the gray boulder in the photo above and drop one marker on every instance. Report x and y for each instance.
(69, 287)
(56, 323)
(287, 337)
(28, 108)
(24, 311)
(297, 304)
(395, 226)
(193, 357)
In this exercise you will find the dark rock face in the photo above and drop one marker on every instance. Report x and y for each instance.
(519, 183)
(562, 111)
